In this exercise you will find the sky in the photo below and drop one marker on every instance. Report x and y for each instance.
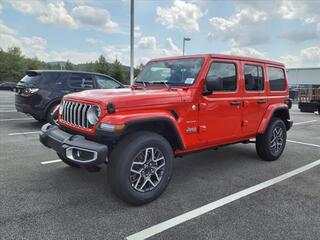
(80, 30)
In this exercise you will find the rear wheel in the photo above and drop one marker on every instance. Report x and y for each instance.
(271, 144)
(140, 167)
(66, 161)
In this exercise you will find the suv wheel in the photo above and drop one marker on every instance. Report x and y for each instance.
(140, 167)
(66, 161)
(271, 144)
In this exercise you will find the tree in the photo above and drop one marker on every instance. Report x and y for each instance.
(69, 66)
(118, 72)
(90, 67)
(34, 64)
(138, 70)
(11, 65)
(101, 66)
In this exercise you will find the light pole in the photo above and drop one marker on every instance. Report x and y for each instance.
(184, 44)
(132, 42)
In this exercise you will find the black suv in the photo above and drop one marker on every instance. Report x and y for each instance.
(40, 91)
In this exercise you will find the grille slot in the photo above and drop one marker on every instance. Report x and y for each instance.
(75, 114)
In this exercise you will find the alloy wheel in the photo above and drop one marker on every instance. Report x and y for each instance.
(147, 169)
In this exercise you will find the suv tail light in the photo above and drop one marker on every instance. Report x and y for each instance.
(29, 91)
(288, 102)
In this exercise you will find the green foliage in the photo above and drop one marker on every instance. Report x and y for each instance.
(69, 66)
(13, 66)
(102, 66)
(118, 72)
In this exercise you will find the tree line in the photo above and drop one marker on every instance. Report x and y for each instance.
(13, 66)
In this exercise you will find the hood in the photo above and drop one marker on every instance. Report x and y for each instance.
(127, 97)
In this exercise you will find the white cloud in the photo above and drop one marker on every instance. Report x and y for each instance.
(181, 15)
(307, 10)
(28, 7)
(93, 40)
(242, 28)
(299, 35)
(147, 43)
(98, 19)
(57, 14)
(307, 57)
(137, 31)
(80, 16)
(246, 51)
(6, 30)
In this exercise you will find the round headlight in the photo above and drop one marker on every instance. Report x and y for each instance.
(93, 114)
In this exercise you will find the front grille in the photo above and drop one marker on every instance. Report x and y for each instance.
(76, 114)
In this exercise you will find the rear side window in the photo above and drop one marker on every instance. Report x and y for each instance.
(276, 79)
(253, 76)
(81, 81)
(224, 76)
(106, 83)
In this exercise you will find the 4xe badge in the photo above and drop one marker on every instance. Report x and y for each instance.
(191, 130)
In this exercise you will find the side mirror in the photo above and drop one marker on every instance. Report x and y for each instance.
(213, 84)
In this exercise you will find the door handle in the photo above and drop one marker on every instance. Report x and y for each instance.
(261, 101)
(235, 103)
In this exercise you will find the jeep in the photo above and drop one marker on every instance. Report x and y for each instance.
(176, 106)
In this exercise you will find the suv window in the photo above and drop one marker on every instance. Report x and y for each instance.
(253, 76)
(104, 82)
(276, 79)
(224, 75)
(81, 81)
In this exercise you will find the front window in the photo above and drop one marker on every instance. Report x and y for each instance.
(182, 72)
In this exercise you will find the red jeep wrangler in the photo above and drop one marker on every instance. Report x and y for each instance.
(176, 106)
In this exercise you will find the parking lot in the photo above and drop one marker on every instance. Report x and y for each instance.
(42, 198)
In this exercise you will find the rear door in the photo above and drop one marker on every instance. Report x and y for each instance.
(79, 81)
(254, 96)
(220, 111)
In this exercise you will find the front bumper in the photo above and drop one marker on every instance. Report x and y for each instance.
(75, 148)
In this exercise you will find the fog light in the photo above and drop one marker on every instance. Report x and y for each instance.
(81, 155)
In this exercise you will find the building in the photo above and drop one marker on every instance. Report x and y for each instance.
(304, 77)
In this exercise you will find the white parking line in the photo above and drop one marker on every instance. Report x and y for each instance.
(52, 161)
(151, 231)
(303, 143)
(22, 133)
(15, 119)
(8, 111)
(300, 123)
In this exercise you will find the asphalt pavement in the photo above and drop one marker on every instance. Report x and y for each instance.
(54, 201)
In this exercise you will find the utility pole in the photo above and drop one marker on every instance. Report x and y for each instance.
(184, 43)
(132, 42)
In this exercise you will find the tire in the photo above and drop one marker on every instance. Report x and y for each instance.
(276, 133)
(66, 161)
(50, 114)
(132, 187)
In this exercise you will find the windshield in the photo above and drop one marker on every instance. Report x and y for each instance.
(182, 72)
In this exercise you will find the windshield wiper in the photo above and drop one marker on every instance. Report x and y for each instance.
(143, 82)
(161, 82)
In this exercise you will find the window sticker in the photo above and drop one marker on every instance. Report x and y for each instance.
(189, 80)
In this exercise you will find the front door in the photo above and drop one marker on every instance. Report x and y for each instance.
(220, 112)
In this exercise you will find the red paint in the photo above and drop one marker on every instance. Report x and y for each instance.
(217, 122)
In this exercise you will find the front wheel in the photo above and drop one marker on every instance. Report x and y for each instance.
(271, 144)
(140, 167)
